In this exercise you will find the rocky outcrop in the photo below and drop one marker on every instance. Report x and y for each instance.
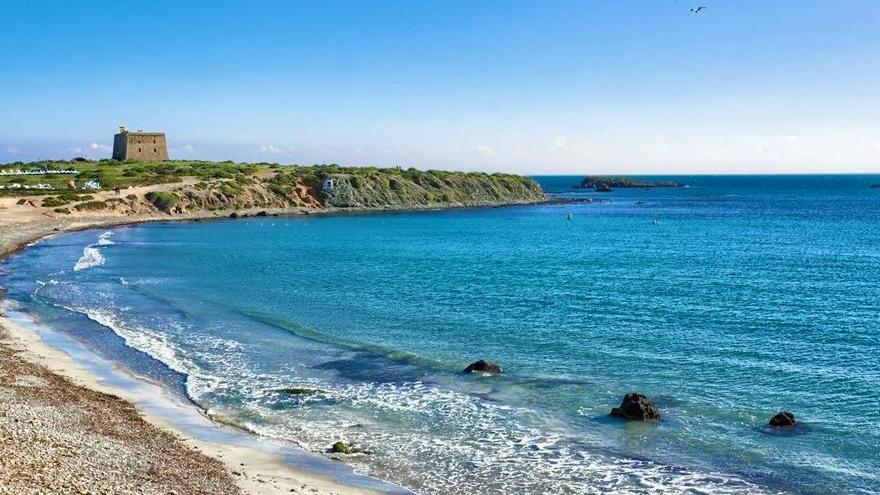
(482, 366)
(783, 418)
(607, 183)
(636, 407)
(416, 189)
(299, 391)
(303, 188)
(340, 448)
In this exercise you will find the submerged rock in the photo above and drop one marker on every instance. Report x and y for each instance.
(783, 418)
(340, 448)
(482, 366)
(299, 391)
(637, 407)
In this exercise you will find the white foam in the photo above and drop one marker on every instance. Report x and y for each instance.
(104, 239)
(91, 257)
(155, 344)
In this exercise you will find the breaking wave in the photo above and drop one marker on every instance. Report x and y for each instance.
(92, 255)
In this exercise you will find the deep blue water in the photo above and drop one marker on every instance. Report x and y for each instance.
(725, 301)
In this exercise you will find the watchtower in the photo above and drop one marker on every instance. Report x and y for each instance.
(139, 145)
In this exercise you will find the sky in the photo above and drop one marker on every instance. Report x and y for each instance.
(542, 87)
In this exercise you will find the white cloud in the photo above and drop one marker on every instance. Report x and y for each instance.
(99, 147)
(188, 148)
(76, 150)
(12, 150)
(271, 149)
(485, 150)
(560, 141)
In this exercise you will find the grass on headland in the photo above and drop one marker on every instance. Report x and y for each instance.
(111, 174)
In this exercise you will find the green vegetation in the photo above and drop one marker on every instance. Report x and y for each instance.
(119, 174)
(91, 206)
(219, 185)
(162, 200)
(608, 181)
(65, 198)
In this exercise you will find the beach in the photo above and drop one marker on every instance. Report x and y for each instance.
(64, 431)
(664, 292)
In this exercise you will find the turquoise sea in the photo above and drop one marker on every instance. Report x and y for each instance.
(725, 301)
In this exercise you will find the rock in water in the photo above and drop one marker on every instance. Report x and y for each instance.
(340, 448)
(483, 367)
(299, 391)
(636, 406)
(783, 418)
(603, 188)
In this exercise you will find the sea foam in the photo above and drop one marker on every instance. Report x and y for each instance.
(92, 255)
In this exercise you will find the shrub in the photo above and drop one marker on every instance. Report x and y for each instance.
(277, 189)
(91, 205)
(162, 200)
(54, 201)
(65, 211)
(230, 189)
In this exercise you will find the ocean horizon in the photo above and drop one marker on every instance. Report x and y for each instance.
(724, 301)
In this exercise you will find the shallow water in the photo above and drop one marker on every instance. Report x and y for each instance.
(725, 301)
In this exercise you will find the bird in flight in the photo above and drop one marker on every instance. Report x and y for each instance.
(698, 9)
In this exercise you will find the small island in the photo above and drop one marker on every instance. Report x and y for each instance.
(607, 183)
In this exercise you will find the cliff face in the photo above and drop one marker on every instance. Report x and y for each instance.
(302, 188)
(413, 189)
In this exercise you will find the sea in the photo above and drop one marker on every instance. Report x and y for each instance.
(724, 301)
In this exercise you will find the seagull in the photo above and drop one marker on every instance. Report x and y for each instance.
(698, 9)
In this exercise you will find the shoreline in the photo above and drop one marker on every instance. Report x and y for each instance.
(251, 468)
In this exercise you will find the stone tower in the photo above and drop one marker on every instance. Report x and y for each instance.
(139, 145)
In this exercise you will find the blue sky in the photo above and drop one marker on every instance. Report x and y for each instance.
(535, 87)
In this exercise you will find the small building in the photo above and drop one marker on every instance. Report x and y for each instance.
(92, 184)
(327, 186)
(139, 145)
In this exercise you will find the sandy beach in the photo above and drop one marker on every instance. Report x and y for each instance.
(64, 431)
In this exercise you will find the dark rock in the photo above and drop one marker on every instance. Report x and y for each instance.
(602, 187)
(233, 215)
(483, 367)
(875, 186)
(299, 391)
(637, 407)
(783, 418)
(340, 448)
(262, 214)
(611, 181)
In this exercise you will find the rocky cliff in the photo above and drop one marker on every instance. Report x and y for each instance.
(310, 188)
